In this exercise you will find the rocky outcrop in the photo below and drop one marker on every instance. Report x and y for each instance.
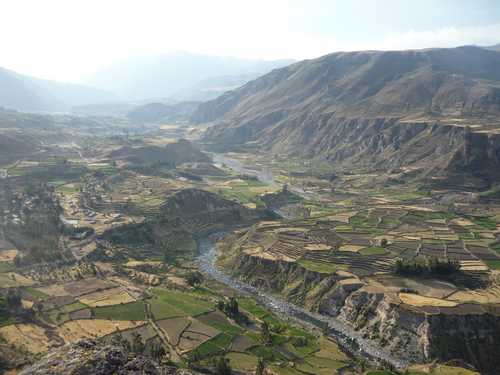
(468, 332)
(198, 210)
(465, 332)
(89, 357)
(288, 278)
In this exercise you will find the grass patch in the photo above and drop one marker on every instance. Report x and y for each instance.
(493, 264)
(275, 323)
(252, 307)
(7, 266)
(36, 293)
(68, 188)
(484, 222)
(225, 327)
(450, 370)
(75, 306)
(285, 370)
(406, 196)
(299, 332)
(267, 353)
(358, 220)
(167, 304)
(222, 340)
(243, 362)
(303, 349)
(321, 267)
(58, 316)
(373, 250)
(211, 347)
(496, 247)
(128, 311)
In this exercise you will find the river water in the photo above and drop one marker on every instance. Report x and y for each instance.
(344, 334)
(347, 337)
(264, 175)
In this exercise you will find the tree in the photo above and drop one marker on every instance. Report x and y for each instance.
(194, 279)
(261, 367)
(222, 366)
(230, 308)
(233, 307)
(13, 299)
(265, 333)
(18, 260)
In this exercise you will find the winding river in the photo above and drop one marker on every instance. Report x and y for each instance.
(346, 336)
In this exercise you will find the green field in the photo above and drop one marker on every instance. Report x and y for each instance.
(493, 264)
(374, 250)
(75, 306)
(167, 304)
(36, 293)
(252, 307)
(128, 311)
(6, 266)
(320, 267)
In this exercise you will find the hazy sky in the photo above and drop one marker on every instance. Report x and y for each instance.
(68, 39)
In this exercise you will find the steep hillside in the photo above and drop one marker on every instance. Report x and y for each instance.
(371, 109)
(32, 94)
(184, 217)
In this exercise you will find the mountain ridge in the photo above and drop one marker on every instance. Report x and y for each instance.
(175, 74)
(372, 109)
(25, 93)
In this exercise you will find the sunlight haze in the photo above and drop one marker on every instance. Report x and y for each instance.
(68, 40)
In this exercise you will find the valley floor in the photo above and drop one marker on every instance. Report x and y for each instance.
(120, 262)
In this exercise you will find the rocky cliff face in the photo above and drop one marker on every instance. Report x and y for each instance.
(196, 210)
(465, 332)
(470, 333)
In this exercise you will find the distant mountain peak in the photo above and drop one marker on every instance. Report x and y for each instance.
(181, 75)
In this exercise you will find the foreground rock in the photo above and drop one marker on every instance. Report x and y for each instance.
(90, 357)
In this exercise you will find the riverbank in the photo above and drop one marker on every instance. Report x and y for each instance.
(345, 336)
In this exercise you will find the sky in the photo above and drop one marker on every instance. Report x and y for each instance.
(67, 40)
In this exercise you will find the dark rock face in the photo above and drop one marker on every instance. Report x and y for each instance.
(467, 332)
(89, 357)
(472, 337)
